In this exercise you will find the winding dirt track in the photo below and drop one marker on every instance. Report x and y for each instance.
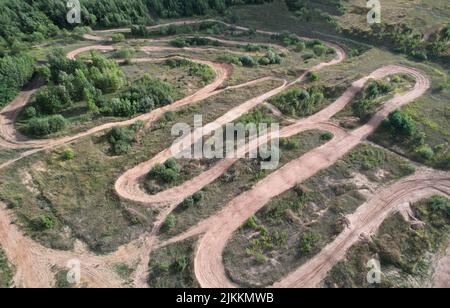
(209, 268)
(33, 262)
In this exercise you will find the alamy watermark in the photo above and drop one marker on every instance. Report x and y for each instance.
(374, 15)
(374, 274)
(74, 14)
(232, 141)
(74, 271)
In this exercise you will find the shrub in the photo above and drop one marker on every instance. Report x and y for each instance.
(248, 61)
(30, 112)
(68, 155)
(261, 258)
(252, 224)
(46, 126)
(264, 61)
(290, 144)
(118, 37)
(253, 48)
(169, 175)
(119, 108)
(167, 172)
(53, 99)
(169, 223)
(402, 123)
(42, 223)
(179, 43)
(327, 136)
(425, 152)
(298, 101)
(57, 123)
(198, 196)
(121, 139)
(319, 50)
(171, 163)
(188, 202)
(313, 76)
(300, 47)
(308, 242)
(230, 59)
(180, 264)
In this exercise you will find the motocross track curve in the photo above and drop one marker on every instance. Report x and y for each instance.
(34, 262)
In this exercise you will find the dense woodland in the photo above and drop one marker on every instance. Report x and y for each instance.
(30, 22)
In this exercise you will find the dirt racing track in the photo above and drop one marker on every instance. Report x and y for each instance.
(33, 262)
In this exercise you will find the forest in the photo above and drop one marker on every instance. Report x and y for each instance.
(30, 22)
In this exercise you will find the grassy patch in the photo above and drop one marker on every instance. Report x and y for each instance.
(173, 266)
(6, 271)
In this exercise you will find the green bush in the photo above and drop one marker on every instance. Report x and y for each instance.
(188, 202)
(68, 155)
(320, 50)
(299, 102)
(167, 172)
(327, 136)
(180, 264)
(118, 37)
(425, 152)
(198, 196)
(290, 143)
(402, 123)
(179, 43)
(308, 242)
(313, 76)
(169, 223)
(121, 139)
(300, 47)
(248, 61)
(47, 125)
(30, 112)
(42, 223)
